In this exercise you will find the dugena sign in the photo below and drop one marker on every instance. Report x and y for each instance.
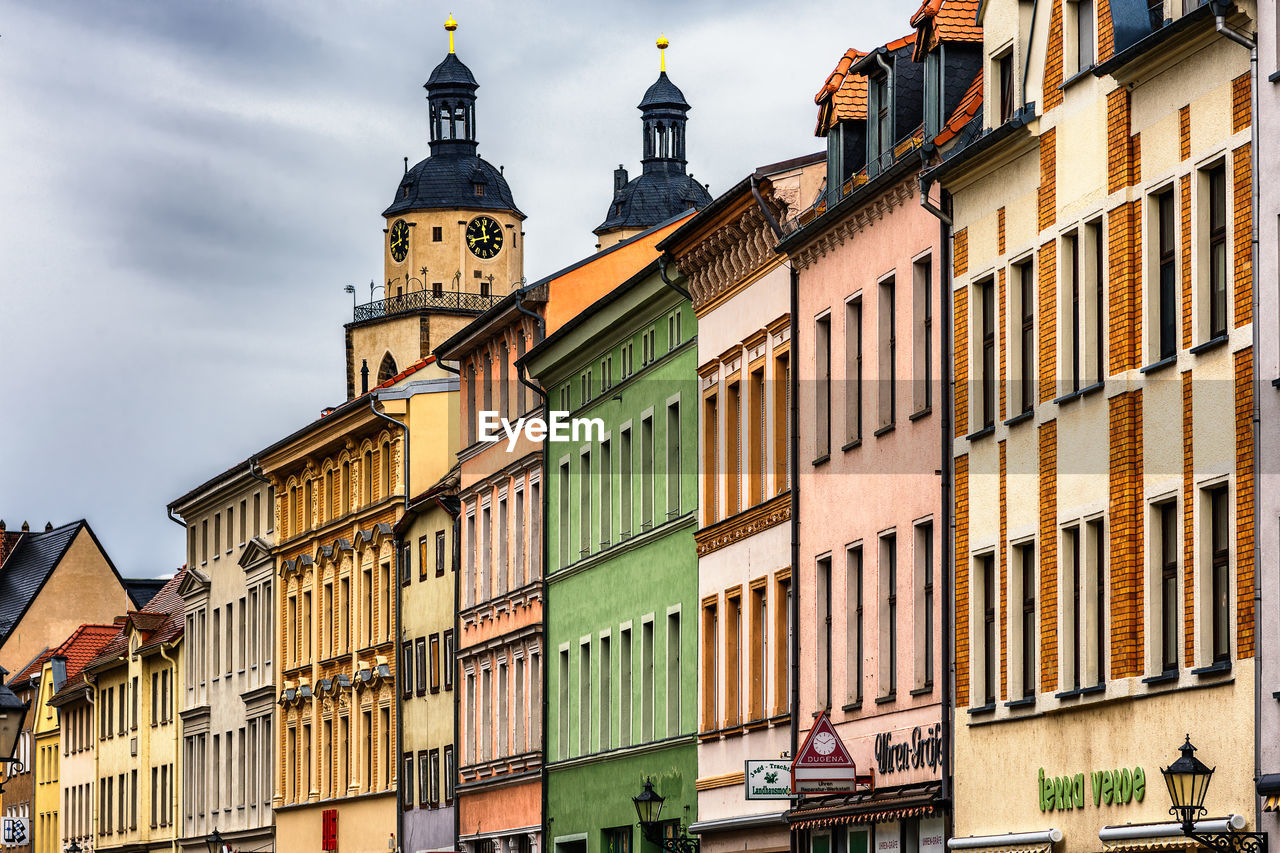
(558, 426)
(1101, 787)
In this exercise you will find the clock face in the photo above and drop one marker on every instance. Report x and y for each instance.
(399, 238)
(824, 743)
(484, 237)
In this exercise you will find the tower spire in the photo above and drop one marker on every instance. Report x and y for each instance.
(663, 44)
(450, 24)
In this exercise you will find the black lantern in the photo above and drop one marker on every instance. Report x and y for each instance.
(216, 842)
(1188, 782)
(12, 713)
(73, 847)
(648, 805)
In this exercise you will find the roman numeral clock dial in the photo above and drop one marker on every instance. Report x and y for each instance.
(484, 237)
(399, 240)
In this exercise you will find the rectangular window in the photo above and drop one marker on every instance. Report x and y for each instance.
(424, 779)
(1075, 355)
(1094, 317)
(733, 447)
(584, 504)
(782, 422)
(784, 625)
(1216, 178)
(1084, 34)
(1004, 71)
(923, 621)
(986, 565)
(646, 681)
(888, 615)
(625, 511)
(710, 664)
(757, 429)
(888, 352)
(1096, 595)
(406, 669)
(1167, 515)
(535, 532)
(1024, 273)
(606, 494)
(625, 695)
(450, 771)
(486, 552)
(1166, 304)
(646, 474)
(853, 609)
(1026, 567)
(433, 788)
(758, 625)
(987, 354)
(566, 553)
(673, 460)
(710, 459)
(1220, 582)
(446, 654)
(428, 663)
(518, 708)
(733, 657)
(470, 580)
(822, 660)
(1071, 616)
(406, 782)
(437, 234)
(563, 705)
(822, 387)
(922, 349)
(519, 568)
(584, 698)
(673, 674)
(853, 370)
(606, 696)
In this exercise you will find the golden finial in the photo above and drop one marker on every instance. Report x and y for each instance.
(663, 44)
(450, 25)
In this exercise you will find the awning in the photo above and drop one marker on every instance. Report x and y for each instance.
(1271, 803)
(880, 806)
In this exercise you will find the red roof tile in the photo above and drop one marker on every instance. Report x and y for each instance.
(968, 107)
(842, 97)
(945, 20)
(160, 622)
(82, 646)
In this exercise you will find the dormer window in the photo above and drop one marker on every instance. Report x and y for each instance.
(880, 119)
(479, 190)
(1004, 70)
(934, 117)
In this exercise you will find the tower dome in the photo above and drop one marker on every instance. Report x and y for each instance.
(663, 189)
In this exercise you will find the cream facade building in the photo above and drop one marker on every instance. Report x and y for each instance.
(1103, 454)
(228, 690)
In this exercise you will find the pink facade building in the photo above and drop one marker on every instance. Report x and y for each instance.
(871, 264)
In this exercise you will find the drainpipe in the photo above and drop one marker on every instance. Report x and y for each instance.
(662, 271)
(546, 609)
(92, 698)
(793, 462)
(1031, 37)
(399, 628)
(945, 223)
(177, 746)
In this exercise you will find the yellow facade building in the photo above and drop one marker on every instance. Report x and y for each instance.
(135, 678)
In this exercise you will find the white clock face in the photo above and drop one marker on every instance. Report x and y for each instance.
(824, 743)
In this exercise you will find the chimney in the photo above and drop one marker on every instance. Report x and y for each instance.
(8, 541)
(26, 527)
(619, 178)
(48, 526)
(364, 376)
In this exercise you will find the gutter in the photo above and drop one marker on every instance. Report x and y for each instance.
(177, 750)
(662, 271)
(793, 462)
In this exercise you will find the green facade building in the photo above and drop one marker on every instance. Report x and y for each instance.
(622, 583)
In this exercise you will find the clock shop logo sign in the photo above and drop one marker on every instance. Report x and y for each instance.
(492, 428)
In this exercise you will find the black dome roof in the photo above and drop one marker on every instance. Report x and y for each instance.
(663, 93)
(450, 182)
(451, 71)
(653, 198)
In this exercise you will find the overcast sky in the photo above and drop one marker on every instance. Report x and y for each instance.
(186, 187)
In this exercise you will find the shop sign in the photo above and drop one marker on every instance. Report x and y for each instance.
(823, 765)
(932, 837)
(922, 749)
(1106, 787)
(15, 831)
(888, 838)
(768, 780)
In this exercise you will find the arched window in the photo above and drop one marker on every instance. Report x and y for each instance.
(387, 369)
(366, 477)
(343, 505)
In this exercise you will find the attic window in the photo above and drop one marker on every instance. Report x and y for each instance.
(404, 191)
(479, 190)
(617, 210)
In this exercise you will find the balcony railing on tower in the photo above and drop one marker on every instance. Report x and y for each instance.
(425, 300)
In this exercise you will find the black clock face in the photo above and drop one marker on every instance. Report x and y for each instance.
(484, 237)
(399, 237)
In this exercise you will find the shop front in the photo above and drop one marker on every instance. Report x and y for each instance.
(1088, 779)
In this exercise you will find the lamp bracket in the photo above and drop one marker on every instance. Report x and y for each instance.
(682, 842)
(1231, 842)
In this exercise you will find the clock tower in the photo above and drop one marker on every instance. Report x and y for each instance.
(452, 245)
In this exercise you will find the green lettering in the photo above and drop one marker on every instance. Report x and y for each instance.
(1139, 783)
(1096, 779)
(1078, 787)
(1126, 786)
(1040, 788)
(1108, 787)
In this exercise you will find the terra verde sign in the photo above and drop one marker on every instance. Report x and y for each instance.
(1106, 787)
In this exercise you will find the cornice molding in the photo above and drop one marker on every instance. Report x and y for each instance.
(855, 222)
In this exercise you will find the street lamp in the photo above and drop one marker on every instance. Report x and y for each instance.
(12, 712)
(648, 805)
(1188, 783)
(216, 842)
(73, 847)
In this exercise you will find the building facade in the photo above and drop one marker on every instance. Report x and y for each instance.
(427, 539)
(622, 579)
(1103, 450)
(228, 691)
(741, 296)
(872, 598)
(138, 770)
